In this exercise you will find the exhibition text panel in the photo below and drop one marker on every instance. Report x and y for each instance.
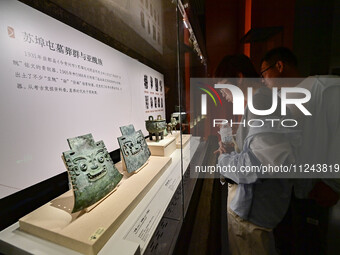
(59, 83)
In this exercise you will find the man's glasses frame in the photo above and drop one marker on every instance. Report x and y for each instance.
(265, 70)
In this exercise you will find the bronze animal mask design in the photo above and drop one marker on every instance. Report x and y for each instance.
(91, 170)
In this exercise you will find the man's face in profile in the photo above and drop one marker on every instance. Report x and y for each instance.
(268, 71)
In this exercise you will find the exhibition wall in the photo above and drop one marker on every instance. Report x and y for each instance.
(58, 83)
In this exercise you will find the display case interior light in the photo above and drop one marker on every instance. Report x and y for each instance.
(185, 24)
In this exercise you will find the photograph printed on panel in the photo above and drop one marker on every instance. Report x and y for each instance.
(147, 102)
(156, 84)
(146, 86)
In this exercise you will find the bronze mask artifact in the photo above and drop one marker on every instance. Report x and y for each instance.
(91, 170)
(134, 149)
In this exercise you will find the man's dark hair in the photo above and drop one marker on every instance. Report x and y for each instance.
(280, 54)
(231, 65)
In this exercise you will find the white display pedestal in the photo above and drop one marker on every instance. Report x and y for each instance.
(175, 133)
(164, 147)
(88, 232)
(185, 139)
(15, 241)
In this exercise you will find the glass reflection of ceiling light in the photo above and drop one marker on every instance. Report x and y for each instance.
(185, 24)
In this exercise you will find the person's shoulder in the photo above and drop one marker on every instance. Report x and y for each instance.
(263, 91)
(319, 83)
(262, 98)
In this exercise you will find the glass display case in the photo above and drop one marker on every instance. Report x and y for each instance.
(92, 67)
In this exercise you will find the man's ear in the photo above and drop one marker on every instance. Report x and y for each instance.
(279, 66)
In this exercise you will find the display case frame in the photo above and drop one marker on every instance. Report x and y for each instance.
(170, 61)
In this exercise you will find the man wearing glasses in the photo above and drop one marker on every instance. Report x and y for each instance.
(278, 63)
(320, 139)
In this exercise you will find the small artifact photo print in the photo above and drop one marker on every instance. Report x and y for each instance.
(146, 86)
(147, 102)
(151, 82)
(156, 84)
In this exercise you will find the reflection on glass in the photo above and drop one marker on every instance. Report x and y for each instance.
(117, 17)
(142, 20)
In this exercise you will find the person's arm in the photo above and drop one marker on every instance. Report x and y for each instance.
(232, 166)
(265, 149)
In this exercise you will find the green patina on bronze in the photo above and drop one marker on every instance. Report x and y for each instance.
(134, 149)
(155, 127)
(172, 125)
(91, 169)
